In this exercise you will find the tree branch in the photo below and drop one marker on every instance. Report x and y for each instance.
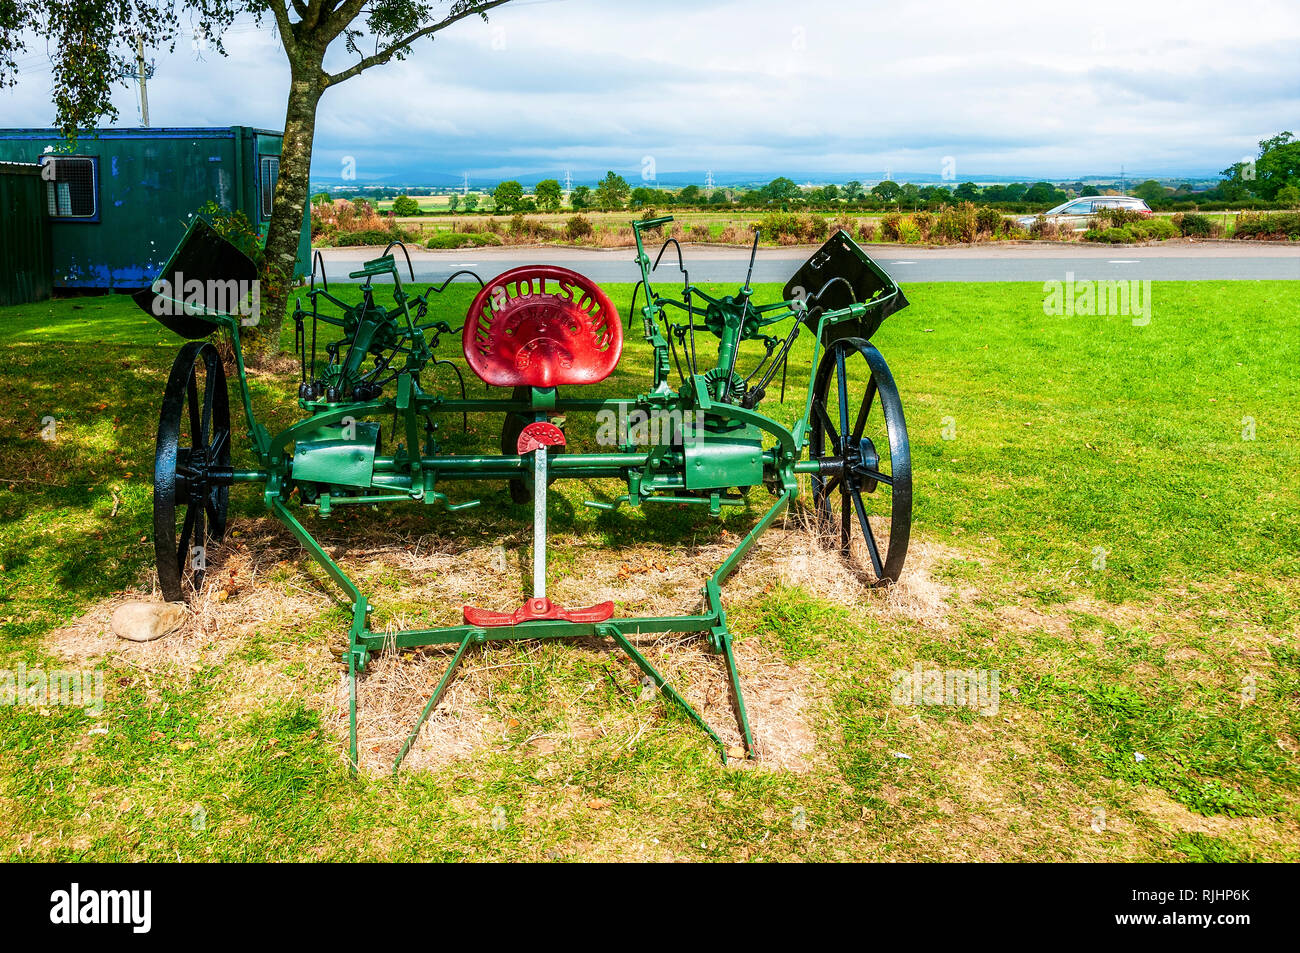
(339, 16)
(281, 13)
(384, 55)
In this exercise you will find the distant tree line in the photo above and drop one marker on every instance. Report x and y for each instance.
(1272, 179)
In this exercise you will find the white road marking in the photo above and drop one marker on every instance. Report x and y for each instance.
(902, 263)
(1124, 261)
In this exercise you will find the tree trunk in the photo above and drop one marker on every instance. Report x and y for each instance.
(291, 197)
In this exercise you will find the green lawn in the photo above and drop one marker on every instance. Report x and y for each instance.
(1098, 531)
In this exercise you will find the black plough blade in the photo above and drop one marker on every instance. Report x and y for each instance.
(205, 275)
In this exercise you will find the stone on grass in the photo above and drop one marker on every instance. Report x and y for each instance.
(146, 621)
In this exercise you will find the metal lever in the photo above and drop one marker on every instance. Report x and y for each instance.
(539, 523)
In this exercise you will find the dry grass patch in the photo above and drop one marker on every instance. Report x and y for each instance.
(1156, 807)
(262, 586)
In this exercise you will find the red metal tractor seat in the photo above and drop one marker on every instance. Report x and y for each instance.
(542, 326)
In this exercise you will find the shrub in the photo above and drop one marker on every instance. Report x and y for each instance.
(578, 228)
(1110, 236)
(614, 238)
(525, 229)
(889, 226)
(700, 233)
(1154, 229)
(777, 225)
(372, 236)
(814, 228)
(1010, 228)
(1259, 225)
(846, 225)
(924, 222)
(988, 220)
(1117, 217)
(462, 240)
(1192, 224)
(334, 221)
(867, 231)
(786, 228)
(1042, 228)
(490, 224)
(956, 223)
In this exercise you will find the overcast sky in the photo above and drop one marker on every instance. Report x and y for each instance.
(814, 89)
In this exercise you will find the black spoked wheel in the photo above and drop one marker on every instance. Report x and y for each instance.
(191, 476)
(862, 490)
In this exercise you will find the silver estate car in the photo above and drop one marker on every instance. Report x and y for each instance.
(1077, 214)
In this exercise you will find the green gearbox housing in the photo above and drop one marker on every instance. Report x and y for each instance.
(342, 455)
(726, 453)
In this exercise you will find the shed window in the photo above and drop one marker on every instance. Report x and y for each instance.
(270, 172)
(71, 187)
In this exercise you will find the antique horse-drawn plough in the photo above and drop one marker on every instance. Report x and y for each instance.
(538, 333)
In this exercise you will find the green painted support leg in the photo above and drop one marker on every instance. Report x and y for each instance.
(352, 712)
(660, 681)
(433, 699)
(725, 641)
(357, 658)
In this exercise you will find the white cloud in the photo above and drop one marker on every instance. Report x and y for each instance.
(767, 86)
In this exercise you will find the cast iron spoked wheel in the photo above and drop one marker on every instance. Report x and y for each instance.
(863, 488)
(191, 475)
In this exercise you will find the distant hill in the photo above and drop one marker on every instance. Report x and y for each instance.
(733, 179)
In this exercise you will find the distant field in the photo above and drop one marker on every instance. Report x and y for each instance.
(727, 225)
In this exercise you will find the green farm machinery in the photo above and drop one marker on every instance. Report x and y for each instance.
(533, 335)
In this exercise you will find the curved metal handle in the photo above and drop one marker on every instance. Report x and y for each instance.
(402, 245)
(319, 260)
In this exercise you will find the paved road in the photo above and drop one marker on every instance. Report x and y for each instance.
(1182, 262)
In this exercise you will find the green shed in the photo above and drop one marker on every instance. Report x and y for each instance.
(118, 200)
(25, 268)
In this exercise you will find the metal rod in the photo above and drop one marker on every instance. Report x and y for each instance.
(539, 523)
(540, 629)
(352, 711)
(433, 700)
(742, 716)
(664, 687)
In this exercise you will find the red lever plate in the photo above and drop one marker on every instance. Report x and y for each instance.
(538, 435)
(538, 609)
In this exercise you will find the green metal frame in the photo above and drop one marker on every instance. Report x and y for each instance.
(415, 472)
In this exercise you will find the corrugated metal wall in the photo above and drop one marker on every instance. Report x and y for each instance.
(147, 184)
(26, 270)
